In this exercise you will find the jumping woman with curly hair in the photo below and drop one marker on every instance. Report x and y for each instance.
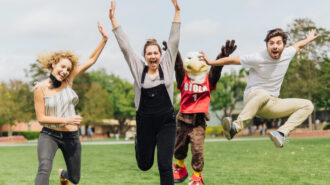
(54, 101)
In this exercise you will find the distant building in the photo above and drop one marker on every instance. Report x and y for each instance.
(33, 125)
(107, 126)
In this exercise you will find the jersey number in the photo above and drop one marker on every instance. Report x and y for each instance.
(195, 97)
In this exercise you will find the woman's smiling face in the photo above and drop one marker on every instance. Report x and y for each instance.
(62, 69)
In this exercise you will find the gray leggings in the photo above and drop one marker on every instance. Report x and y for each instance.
(48, 143)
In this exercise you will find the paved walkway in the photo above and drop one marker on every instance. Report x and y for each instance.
(34, 143)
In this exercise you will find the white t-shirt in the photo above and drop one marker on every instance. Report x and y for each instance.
(267, 73)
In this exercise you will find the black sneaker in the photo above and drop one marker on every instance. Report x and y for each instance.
(229, 129)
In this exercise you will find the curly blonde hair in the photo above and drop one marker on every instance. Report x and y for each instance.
(48, 59)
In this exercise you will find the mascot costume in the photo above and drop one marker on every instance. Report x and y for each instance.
(195, 82)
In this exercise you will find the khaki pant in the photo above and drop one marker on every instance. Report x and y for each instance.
(260, 102)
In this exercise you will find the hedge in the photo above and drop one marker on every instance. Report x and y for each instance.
(326, 126)
(29, 135)
(214, 131)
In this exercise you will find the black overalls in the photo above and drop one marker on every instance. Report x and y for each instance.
(155, 121)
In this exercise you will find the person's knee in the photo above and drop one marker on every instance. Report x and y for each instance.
(45, 166)
(143, 162)
(75, 179)
(309, 106)
(144, 166)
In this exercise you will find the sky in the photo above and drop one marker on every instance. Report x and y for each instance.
(30, 27)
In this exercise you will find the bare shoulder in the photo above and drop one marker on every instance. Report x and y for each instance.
(40, 86)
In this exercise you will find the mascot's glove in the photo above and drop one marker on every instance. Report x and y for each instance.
(228, 49)
(215, 72)
(164, 45)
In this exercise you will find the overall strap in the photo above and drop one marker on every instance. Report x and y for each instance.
(161, 74)
(145, 70)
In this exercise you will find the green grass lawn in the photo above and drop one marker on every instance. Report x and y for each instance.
(301, 161)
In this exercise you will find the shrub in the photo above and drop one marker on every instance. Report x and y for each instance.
(29, 135)
(214, 131)
(326, 126)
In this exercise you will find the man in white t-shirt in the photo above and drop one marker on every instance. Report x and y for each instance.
(267, 71)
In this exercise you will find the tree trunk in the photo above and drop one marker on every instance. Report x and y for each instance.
(310, 124)
(10, 132)
(123, 127)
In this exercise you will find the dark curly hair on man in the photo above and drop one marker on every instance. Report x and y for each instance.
(276, 32)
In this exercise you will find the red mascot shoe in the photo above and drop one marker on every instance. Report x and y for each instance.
(194, 180)
(179, 174)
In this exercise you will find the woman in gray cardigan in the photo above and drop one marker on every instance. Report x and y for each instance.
(153, 87)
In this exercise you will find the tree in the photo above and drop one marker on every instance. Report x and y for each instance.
(121, 97)
(305, 74)
(16, 102)
(322, 96)
(36, 73)
(97, 105)
(81, 85)
(229, 91)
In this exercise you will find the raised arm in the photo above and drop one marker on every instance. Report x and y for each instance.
(173, 41)
(94, 56)
(222, 61)
(177, 11)
(310, 36)
(39, 106)
(135, 63)
(179, 69)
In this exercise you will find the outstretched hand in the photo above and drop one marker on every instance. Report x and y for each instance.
(229, 48)
(112, 10)
(102, 31)
(311, 35)
(205, 58)
(176, 5)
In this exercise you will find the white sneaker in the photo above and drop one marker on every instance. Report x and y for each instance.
(277, 138)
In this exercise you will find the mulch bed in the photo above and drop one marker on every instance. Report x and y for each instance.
(13, 139)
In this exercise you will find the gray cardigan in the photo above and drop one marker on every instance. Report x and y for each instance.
(136, 62)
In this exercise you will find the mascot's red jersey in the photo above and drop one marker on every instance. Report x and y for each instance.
(195, 97)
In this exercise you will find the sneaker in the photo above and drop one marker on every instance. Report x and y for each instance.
(64, 181)
(277, 138)
(229, 128)
(180, 173)
(194, 180)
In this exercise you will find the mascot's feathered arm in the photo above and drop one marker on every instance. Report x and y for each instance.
(215, 71)
(179, 70)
